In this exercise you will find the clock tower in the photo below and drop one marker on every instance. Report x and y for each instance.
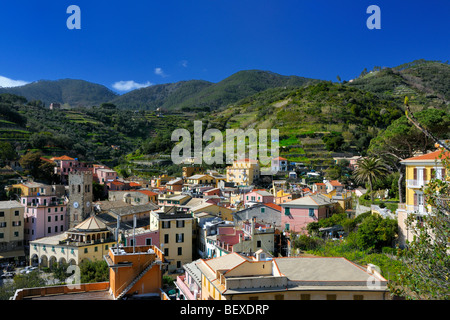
(80, 197)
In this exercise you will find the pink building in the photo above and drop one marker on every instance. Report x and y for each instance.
(44, 216)
(105, 175)
(117, 185)
(258, 196)
(143, 237)
(296, 214)
(64, 165)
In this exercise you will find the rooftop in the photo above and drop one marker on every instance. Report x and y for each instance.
(10, 204)
(432, 156)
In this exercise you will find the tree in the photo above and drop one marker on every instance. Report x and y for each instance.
(426, 262)
(7, 152)
(94, 271)
(370, 169)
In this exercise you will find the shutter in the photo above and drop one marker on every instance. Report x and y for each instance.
(425, 174)
(415, 199)
(415, 173)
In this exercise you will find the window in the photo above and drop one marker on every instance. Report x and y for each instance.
(311, 212)
(179, 237)
(2, 213)
(85, 250)
(62, 217)
(180, 251)
(96, 249)
(2, 235)
(2, 224)
(180, 223)
(287, 226)
(16, 234)
(49, 219)
(62, 209)
(358, 297)
(305, 297)
(287, 211)
(166, 224)
(178, 264)
(258, 244)
(166, 251)
(263, 210)
(16, 213)
(49, 230)
(56, 229)
(48, 210)
(166, 238)
(331, 297)
(61, 228)
(56, 218)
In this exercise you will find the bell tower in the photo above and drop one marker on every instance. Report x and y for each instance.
(80, 196)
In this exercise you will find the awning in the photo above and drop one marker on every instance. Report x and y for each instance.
(12, 254)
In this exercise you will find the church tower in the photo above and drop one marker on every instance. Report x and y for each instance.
(80, 196)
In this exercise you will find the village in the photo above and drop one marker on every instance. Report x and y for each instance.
(216, 235)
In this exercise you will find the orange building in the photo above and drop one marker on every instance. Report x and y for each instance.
(135, 271)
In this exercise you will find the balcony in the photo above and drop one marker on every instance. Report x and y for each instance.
(187, 290)
(419, 209)
(413, 183)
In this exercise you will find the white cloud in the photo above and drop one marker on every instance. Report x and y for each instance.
(130, 85)
(184, 63)
(8, 83)
(160, 72)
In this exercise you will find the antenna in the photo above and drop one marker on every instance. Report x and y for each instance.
(117, 233)
(134, 232)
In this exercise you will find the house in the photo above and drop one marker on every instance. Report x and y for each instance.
(191, 170)
(334, 185)
(105, 175)
(117, 185)
(296, 215)
(175, 185)
(319, 187)
(200, 180)
(133, 197)
(281, 197)
(243, 172)
(190, 284)
(240, 277)
(419, 171)
(175, 236)
(258, 196)
(264, 212)
(11, 230)
(173, 200)
(279, 164)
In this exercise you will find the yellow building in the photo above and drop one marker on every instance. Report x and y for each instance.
(175, 236)
(419, 171)
(28, 189)
(11, 229)
(343, 200)
(213, 209)
(89, 240)
(243, 172)
(282, 197)
(200, 179)
(238, 277)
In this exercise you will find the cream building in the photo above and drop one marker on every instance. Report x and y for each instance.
(243, 172)
(238, 277)
(11, 229)
(89, 240)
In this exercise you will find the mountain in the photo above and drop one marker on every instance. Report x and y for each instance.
(425, 82)
(64, 91)
(166, 96)
(198, 94)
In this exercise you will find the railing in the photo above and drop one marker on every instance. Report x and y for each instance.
(413, 183)
(123, 288)
(187, 291)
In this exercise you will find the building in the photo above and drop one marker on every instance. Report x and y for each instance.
(89, 240)
(173, 200)
(105, 175)
(175, 236)
(334, 185)
(319, 187)
(80, 196)
(175, 185)
(11, 230)
(191, 170)
(296, 215)
(200, 180)
(258, 196)
(239, 277)
(133, 197)
(135, 272)
(279, 164)
(264, 212)
(190, 284)
(243, 172)
(281, 197)
(419, 171)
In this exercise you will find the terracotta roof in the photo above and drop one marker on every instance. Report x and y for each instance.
(335, 183)
(134, 184)
(432, 156)
(274, 206)
(148, 192)
(118, 183)
(62, 158)
(319, 184)
(280, 158)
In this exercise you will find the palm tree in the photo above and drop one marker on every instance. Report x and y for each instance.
(369, 170)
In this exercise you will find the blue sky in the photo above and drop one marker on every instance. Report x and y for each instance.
(151, 42)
